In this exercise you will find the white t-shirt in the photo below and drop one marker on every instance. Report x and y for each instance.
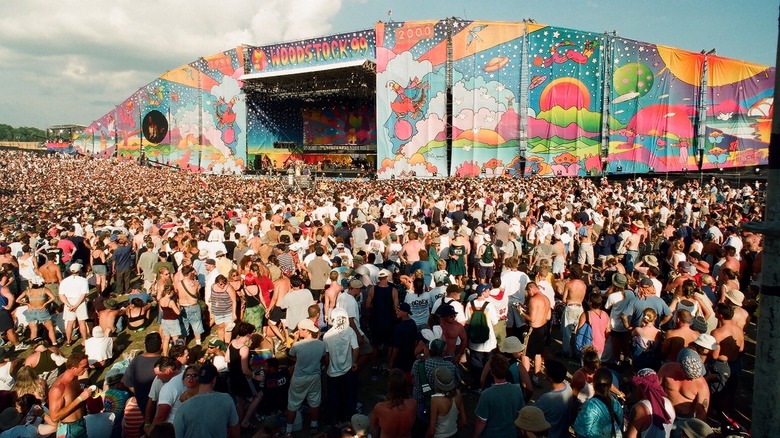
(170, 393)
(74, 287)
(492, 317)
(460, 316)
(99, 349)
(347, 302)
(340, 341)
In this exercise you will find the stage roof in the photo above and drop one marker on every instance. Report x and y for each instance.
(353, 78)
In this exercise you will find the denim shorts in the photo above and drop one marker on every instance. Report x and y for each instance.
(171, 327)
(191, 317)
(37, 315)
(223, 319)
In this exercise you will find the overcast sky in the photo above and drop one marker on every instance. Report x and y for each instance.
(72, 61)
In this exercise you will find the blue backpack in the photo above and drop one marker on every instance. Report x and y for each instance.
(582, 338)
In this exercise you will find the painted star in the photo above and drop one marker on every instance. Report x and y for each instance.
(556, 34)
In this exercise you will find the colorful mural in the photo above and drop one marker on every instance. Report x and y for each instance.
(203, 112)
(740, 103)
(339, 126)
(655, 97)
(411, 100)
(564, 102)
(486, 69)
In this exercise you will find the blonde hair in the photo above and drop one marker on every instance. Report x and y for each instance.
(649, 316)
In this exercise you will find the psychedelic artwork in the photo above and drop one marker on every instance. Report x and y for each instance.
(654, 101)
(740, 103)
(564, 102)
(192, 117)
(411, 101)
(486, 68)
(339, 126)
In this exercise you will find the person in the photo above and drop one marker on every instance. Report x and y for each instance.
(679, 337)
(73, 294)
(420, 302)
(222, 304)
(341, 354)
(241, 375)
(539, 312)
(166, 393)
(395, 416)
(730, 338)
(169, 324)
(654, 414)
(138, 315)
(556, 405)
(479, 352)
(403, 341)
(99, 348)
(531, 423)
(598, 320)
(66, 398)
(188, 299)
(208, 413)
(38, 298)
(139, 374)
(498, 405)
(306, 356)
(646, 340)
(447, 410)
(686, 387)
(601, 415)
(573, 296)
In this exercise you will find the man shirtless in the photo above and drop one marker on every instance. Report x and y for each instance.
(632, 245)
(66, 399)
(451, 331)
(573, 295)
(679, 337)
(276, 314)
(52, 275)
(735, 299)
(539, 312)
(731, 344)
(685, 386)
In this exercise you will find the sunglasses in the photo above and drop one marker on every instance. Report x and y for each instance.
(190, 376)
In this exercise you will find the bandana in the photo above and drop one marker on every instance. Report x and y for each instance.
(647, 380)
(691, 363)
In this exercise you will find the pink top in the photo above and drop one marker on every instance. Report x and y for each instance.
(599, 325)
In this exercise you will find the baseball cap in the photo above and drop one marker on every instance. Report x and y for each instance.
(645, 282)
(208, 372)
(76, 267)
(211, 262)
(216, 343)
(360, 424)
(307, 324)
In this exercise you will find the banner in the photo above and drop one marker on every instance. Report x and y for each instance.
(564, 102)
(654, 104)
(486, 66)
(313, 52)
(411, 103)
(740, 98)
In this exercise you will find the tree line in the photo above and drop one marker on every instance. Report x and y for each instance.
(9, 133)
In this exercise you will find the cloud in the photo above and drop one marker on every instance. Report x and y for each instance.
(71, 61)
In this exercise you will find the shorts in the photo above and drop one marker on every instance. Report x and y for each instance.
(365, 347)
(191, 317)
(76, 429)
(302, 388)
(171, 327)
(6, 322)
(513, 318)
(99, 269)
(80, 313)
(223, 319)
(534, 343)
(277, 314)
(37, 315)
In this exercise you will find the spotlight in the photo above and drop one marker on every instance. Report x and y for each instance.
(756, 170)
(620, 168)
(651, 170)
(590, 172)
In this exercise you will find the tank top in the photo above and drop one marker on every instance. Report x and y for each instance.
(654, 431)
(168, 313)
(139, 317)
(447, 424)
(383, 311)
(586, 392)
(235, 372)
(97, 261)
(220, 302)
(251, 300)
(694, 309)
(45, 363)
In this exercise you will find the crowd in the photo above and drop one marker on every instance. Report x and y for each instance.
(265, 306)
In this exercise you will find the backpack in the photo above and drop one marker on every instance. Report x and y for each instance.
(582, 338)
(487, 254)
(478, 329)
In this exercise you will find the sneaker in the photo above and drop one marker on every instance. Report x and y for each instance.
(21, 347)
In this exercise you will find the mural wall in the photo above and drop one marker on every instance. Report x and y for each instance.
(565, 102)
(486, 68)
(339, 126)
(411, 101)
(739, 113)
(193, 117)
